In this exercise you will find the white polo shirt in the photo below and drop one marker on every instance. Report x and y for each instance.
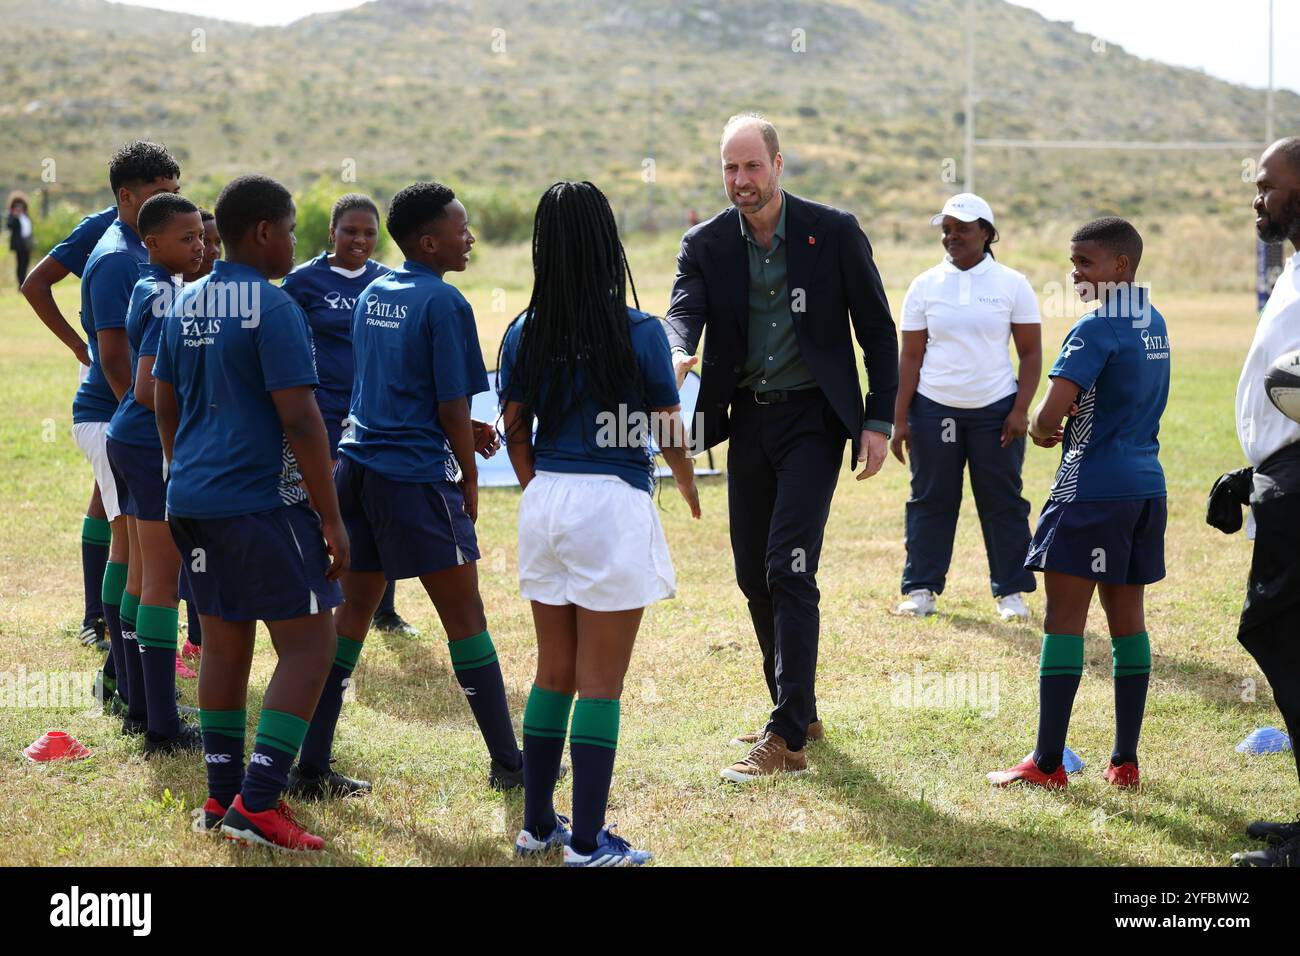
(968, 315)
(1261, 428)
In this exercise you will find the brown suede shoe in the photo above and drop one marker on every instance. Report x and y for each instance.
(815, 733)
(769, 757)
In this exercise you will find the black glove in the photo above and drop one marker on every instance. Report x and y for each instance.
(1229, 494)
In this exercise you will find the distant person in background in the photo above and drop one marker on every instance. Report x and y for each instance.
(19, 225)
(327, 288)
(70, 256)
(1271, 441)
(959, 403)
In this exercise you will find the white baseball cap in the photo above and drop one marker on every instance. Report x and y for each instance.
(967, 207)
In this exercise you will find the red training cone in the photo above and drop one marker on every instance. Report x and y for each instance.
(56, 745)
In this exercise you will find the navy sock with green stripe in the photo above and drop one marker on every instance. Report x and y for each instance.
(155, 633)
(137, 705)
(319, 742)
(1131, 656)
(546, 722)
(96, 533)
(593, 742)
(279, 735)
(111, 596)
(474, 660)
(1059, 671)
(223, 752)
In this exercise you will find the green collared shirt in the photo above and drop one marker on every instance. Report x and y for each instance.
(772, 360)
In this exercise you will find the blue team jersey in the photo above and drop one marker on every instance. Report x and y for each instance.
(73, 252)
(133, 423)
(111, 274)
(1119, 358)
(328, 297)
(228, 341)
(415, 344)
(588, 440)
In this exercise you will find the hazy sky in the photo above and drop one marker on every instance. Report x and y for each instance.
(1226, 38)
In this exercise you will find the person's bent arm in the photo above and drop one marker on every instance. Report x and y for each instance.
(910, 358)
(454, 417)
(144, 380)
(518, 423)
(670, 436)
(688, 310)
(38, 290)
(1045, 424)
(115, 359)
(167, 417)
(1029, 347)
(304, 429)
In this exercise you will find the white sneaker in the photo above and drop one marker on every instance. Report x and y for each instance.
(920, 603)
(1011, 607)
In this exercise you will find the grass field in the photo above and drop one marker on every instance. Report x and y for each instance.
(891, 784)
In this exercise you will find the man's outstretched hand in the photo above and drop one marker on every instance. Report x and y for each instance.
(486, 440)
(683, 363)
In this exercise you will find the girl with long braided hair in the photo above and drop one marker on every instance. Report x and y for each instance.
(597, 378)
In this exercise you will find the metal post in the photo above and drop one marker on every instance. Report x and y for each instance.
(1268, 117)
(969, 160)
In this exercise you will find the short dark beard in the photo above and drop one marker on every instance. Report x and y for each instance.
(1281, 230)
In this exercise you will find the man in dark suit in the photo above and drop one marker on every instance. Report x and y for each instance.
(779, 283)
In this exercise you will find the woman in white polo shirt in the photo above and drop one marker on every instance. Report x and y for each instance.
(960, 403)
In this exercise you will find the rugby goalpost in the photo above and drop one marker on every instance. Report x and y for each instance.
(1268, 256)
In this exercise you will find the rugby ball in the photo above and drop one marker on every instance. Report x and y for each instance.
(1282, 382)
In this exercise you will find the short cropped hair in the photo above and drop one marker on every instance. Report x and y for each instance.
(206, 215)
(158, 210)
(350, 201)
(768, 131)
(141, 162)
(248, 200)
(413, 209)
(1114, 234)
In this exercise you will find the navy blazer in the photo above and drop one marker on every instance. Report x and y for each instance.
(828, 258)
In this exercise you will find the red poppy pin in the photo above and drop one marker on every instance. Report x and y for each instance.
(812, 240)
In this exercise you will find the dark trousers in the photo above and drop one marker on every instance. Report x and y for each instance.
(944, 440)
(782, 465)
(1269, 629)
(24, 257)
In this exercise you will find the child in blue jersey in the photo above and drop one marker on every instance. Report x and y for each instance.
(70, 256)
(194, 629)
(211, 247)
(247, 452)
(327, 288)
(1103, 527)
(598, 378)
(173, 233)
(136, 172)
(407, 479)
